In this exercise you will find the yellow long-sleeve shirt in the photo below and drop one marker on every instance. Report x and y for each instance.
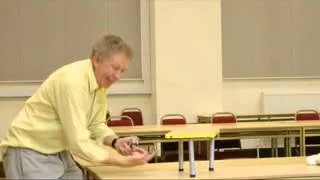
(67, 112)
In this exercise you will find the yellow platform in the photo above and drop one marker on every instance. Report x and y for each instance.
(193, 132)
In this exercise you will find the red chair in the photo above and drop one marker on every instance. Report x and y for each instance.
(119, 121)
(173, 119)
(171, 148)
(225, 117)
(135, 114)
(308, 115)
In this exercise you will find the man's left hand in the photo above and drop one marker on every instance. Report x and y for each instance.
(122, 145)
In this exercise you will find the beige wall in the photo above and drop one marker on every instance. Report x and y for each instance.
(187, 57)
(243, 96)
(117, 102)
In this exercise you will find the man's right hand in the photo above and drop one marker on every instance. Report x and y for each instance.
(139, 156)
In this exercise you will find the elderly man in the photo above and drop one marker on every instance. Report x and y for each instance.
(66, 115)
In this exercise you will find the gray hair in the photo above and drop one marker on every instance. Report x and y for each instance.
(109, 45)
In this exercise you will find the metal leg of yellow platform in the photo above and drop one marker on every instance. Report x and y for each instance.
(211, 160)
(180, 149)
(191, 159)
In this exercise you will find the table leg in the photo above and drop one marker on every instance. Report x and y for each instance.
(211, 161)
(207, 149)
(191, 159)
(285, 147)
(155, 148)
(180, 148)
(272, 147)
(276, 146)
(302, 142)
(289, 147)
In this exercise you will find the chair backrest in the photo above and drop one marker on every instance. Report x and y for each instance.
(119, 121)
(307, 114)
(173, 119)
(135, 114)
(223, 117)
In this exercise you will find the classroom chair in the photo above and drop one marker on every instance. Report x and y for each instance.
(228, 148)
(135, 114)
(127, 121)
(173, 119)
(171, 148)
(119, 121)
(308, 115)
(225, 117)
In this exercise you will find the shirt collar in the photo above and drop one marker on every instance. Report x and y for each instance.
(93, 85)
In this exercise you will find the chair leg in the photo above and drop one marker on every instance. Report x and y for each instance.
(258, 151)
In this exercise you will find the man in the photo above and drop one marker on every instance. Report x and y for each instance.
(67, 114)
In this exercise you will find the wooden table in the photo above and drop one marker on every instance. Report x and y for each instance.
(263, 168)
(161, 130)
(206, 118)
(269, 129)
(85, 164)
(225, 128)
(309, 128)
(190, 133)
(274, 129)
(227, 131)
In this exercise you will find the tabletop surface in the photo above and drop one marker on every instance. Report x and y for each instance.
(146, 128)
(265, 168)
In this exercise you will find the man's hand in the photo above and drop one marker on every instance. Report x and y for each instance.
(139, 156)
(126, 145)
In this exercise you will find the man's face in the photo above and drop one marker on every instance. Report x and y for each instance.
(110, 69)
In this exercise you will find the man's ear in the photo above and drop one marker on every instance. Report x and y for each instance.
(95, 61)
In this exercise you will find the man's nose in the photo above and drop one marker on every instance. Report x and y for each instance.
(117, 75)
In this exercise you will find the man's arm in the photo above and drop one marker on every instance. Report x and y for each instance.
(101, 132)
(105, 135)
(71, 109)
(110, 140)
